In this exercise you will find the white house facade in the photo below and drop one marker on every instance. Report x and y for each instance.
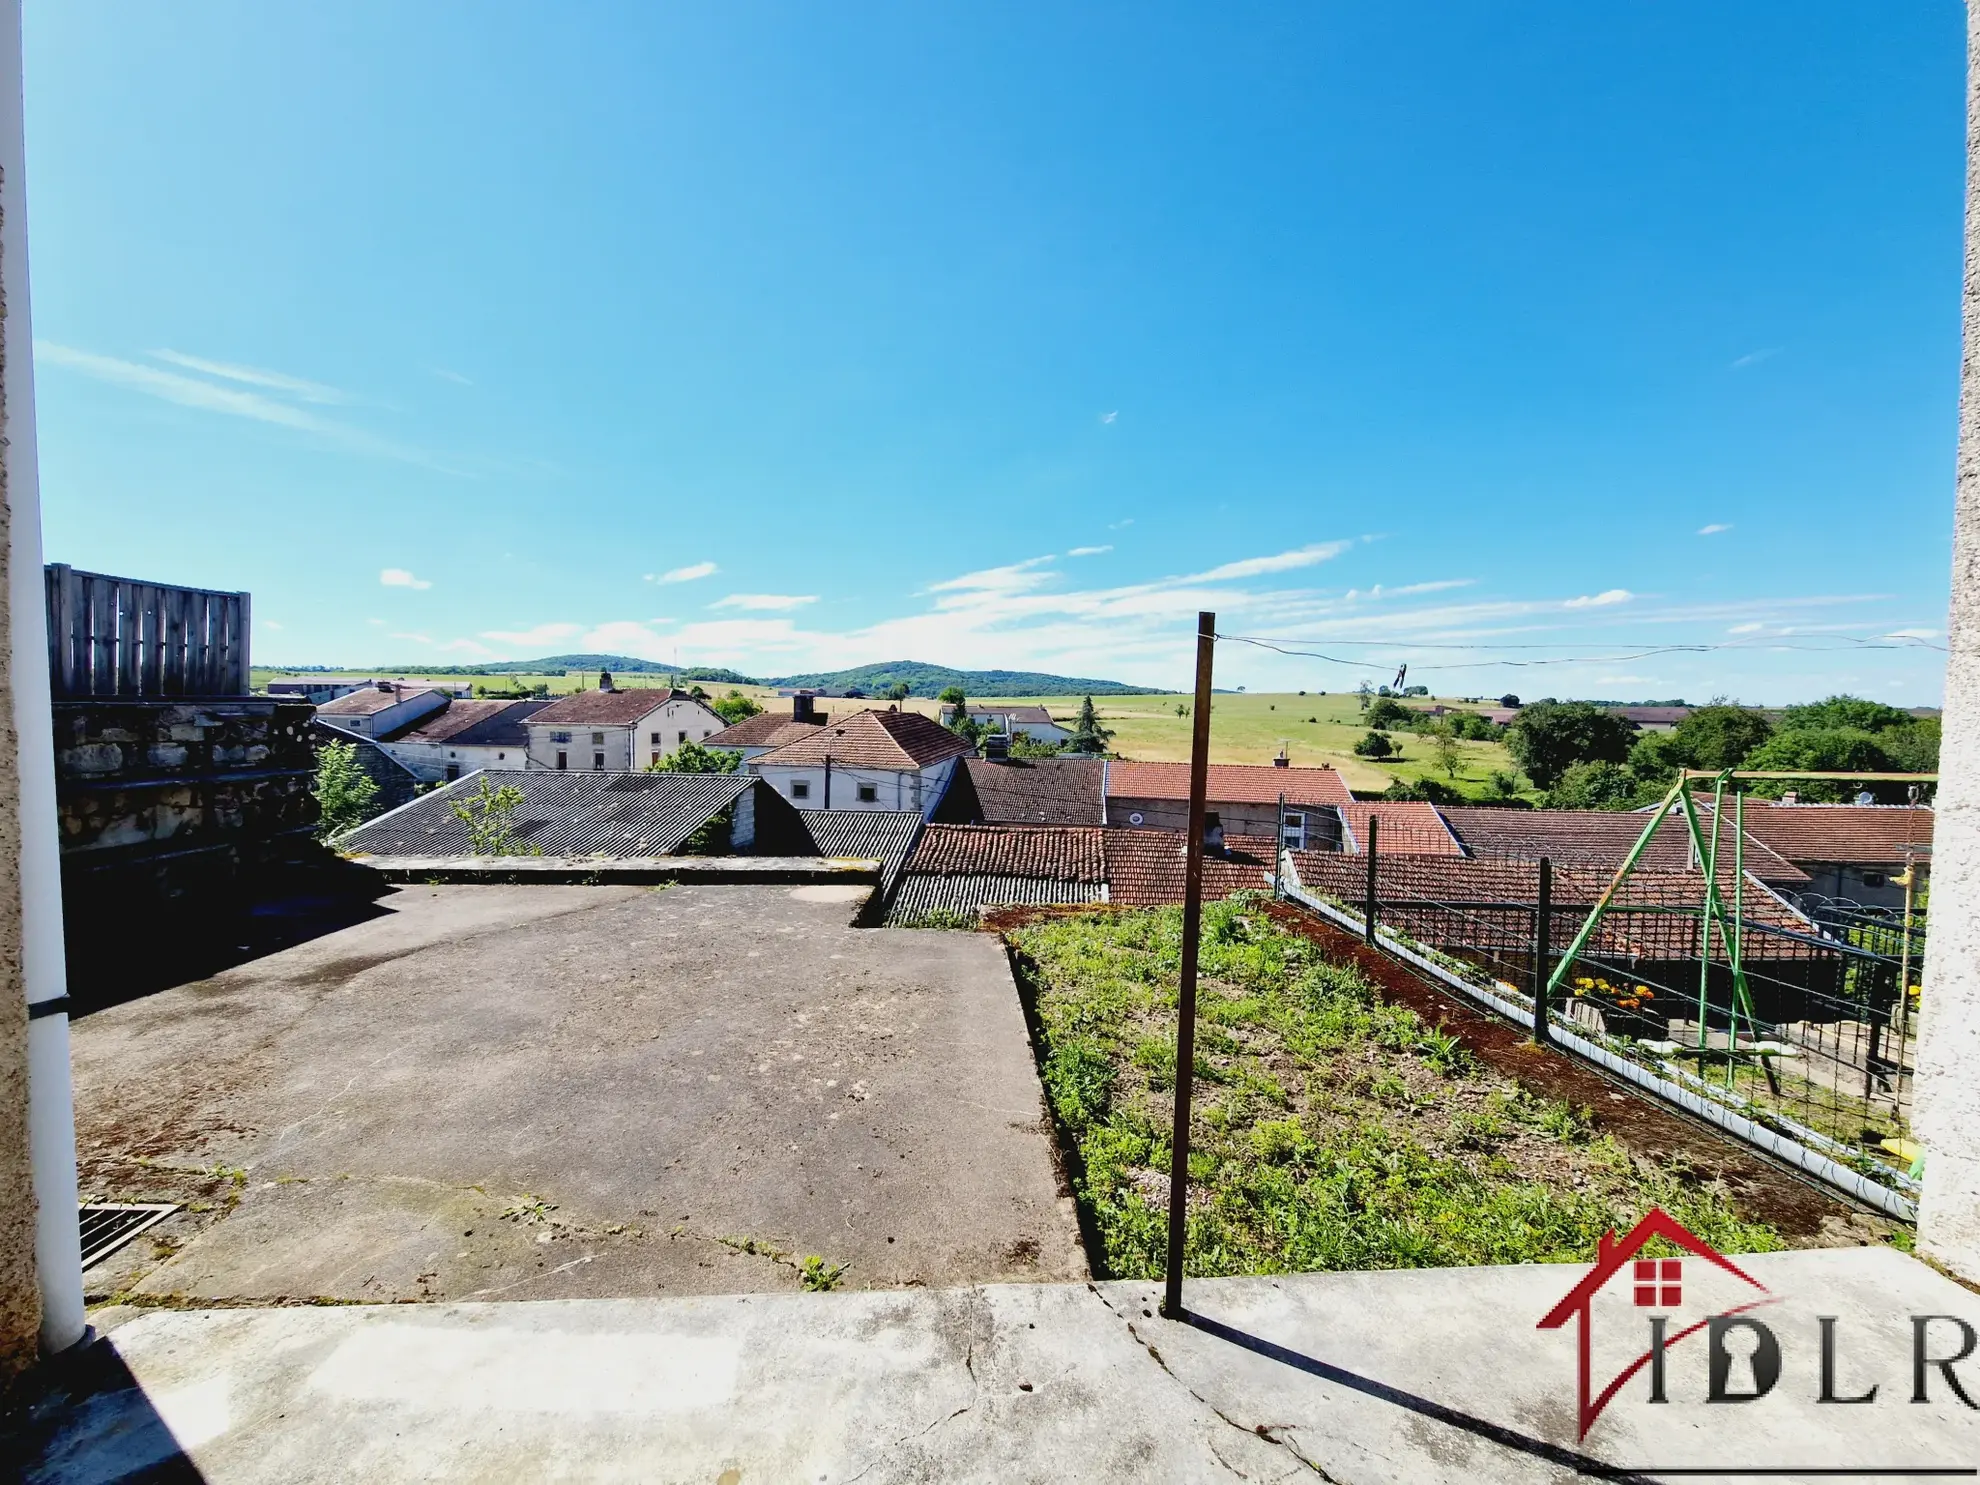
(870, 760)
(614, 731)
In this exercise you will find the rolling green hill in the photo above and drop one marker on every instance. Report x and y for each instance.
(923, 679)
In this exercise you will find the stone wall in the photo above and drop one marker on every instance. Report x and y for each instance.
(170, 813)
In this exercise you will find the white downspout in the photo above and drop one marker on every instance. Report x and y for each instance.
(51, 1102)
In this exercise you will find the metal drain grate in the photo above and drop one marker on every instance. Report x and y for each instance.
(107, 1226)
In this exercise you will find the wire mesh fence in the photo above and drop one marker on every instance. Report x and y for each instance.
(1798, 1016)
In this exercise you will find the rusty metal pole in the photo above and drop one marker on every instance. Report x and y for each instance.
(1543, 953)
(1369, 905)
(1192, 931)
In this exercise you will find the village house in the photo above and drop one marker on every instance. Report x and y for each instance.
(614, 731)
(891, 760)
(382, 708)
(767, 731)
(464, 737)
(1033, 722)
(1244, 796)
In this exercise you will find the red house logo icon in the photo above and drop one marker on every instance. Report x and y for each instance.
(1656, 1284)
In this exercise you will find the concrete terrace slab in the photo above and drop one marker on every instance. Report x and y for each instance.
(556, 1091)
(1363, 1379)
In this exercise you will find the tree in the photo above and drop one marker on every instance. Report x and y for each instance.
(1366, 691)
(1024, 745)
(1509, 700)
(1386, 713)
(900, 691)
(1425, 791)
(490, 818)
(1374, 745)
(1548, 737)
(1824, 750)
(1719, 734)
(736, 707)
(1600, 785)
(692, 757)
(1851, 713)
(1444, 749)
(1089, 737)
(1500, 785)
(343, 789)
(952, 696)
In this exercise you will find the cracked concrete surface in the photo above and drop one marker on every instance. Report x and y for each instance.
(1363, 1379)
(501, 1092)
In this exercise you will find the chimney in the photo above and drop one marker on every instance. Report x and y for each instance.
(1213, 833)
(1282, 761)
(605, 681)
(997, 746)
(1791, 797)
(801, 708)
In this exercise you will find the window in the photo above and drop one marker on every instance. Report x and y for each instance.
(1873, 879)
(656, 739)
(869, 793)
(598, 762)
(1295, 836)
(563, 759)
(656, 758)
(597, 738)
(684, 734)
(560, 737)
(800, 789)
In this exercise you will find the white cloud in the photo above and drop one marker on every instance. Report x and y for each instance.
(1754, 358)
(1603, 599)
(471, 648)
(1912, 634)
(770, 602)
(450, 376)
(1320, 551)
(379, 622)
(1089, 551)
(255, 376)
(685, 574)
(270, 624)
(1750, 627)
(1121, 525)
(1715, 528)
(1012, 577)
(418, 639)
(233, 401)
(1108, 417)
(541, 637)
(398, 577)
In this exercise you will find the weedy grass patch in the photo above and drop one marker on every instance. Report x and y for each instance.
(1332, 1130)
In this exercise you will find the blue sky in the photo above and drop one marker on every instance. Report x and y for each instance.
(791, 337)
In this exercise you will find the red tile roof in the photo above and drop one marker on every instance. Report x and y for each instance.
(1055, 853)
(1848, 834)
(1145, 867)
(1602, 838)
(372, 700)
(608, 708)
(1406, 827)
(462, 717)
(1453, 903)
(1235, 783)
(764, 730)
(873, 739)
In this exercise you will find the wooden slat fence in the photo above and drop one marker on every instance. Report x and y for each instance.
(112, 636)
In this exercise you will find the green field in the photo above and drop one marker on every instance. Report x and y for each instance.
(1243, 729)
(1253, 727)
